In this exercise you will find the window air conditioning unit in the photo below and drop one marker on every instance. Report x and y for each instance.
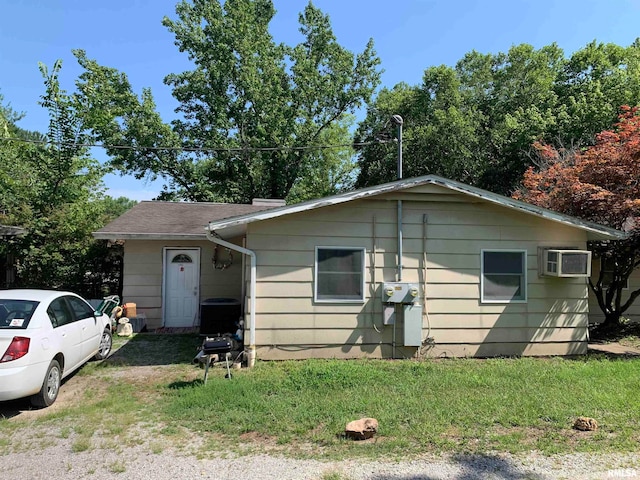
(567, 263)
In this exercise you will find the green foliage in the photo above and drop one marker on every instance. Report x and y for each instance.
(596, 184)
(54, 191)
(245, 95)
(327, 171)
(477, 122)
(54, 203)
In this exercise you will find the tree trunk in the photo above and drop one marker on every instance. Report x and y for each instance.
(611, 320)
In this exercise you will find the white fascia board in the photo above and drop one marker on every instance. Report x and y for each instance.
(601, 232)
(596, 231)
(321, 202)
(148, 236)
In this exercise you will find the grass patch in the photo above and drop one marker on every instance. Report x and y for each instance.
(464, 405)
(151, 349)
(156, 448)
(114, 400)
(117, 467)
(334, 476)
(82, 444)
(150, 394)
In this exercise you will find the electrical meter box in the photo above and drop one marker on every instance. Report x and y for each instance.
(412, 325)
(399, 292)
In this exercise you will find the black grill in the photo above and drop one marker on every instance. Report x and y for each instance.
(220, 346)
(216, 345)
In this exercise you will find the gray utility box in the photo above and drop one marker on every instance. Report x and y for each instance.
(395, 294)
(412, 325)
(399, 292)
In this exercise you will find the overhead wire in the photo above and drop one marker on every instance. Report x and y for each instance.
(191, 149)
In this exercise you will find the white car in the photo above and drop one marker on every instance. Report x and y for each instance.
(44, 336)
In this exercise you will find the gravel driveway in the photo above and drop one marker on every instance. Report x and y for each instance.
(32, 452)
(61, 462)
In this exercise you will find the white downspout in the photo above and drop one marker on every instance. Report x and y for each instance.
(252, 291)
(398, 121)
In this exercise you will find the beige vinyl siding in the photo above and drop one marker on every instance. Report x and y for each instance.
(290, 325)
(364, 336)
(451, 321)
(384, 350)
(142, 281)
(595, 312)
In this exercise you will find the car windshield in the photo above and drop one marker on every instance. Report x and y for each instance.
(16, 313)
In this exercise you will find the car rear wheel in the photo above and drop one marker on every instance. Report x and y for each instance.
(50, 386)
(105, 345)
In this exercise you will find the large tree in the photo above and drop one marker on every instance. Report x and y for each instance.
(52, 188)
(476, 122)
(599, 184)
(251, 110)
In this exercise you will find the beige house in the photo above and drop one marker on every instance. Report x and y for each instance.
(417, 267)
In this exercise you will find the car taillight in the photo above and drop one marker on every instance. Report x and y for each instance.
(19, 347)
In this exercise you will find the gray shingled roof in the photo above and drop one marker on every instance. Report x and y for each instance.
(177, 220)
(181, 221)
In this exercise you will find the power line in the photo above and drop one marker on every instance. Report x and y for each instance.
(189, 149)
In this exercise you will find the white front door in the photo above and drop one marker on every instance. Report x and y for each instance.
(181, 286)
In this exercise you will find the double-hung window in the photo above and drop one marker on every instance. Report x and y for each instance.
(339, 274)
(504, 276)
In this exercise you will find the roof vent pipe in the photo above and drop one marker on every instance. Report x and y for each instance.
(398, 121)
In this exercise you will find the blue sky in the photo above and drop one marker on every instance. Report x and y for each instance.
(409, 36)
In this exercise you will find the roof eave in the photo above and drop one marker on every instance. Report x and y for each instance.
(148, 236)
(312, 204)
(594, 231)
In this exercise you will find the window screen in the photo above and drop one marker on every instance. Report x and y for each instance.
(339, 274)
(504, 276)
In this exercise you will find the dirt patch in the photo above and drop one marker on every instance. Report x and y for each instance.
(257, 437)
(138, 361)
(74, 388)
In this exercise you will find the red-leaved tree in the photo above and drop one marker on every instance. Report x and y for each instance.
(600, 184)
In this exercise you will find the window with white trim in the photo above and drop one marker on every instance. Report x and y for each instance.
(339, 274)
(504, 276)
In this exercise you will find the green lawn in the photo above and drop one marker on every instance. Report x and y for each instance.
(440, 405)
(458, 405)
